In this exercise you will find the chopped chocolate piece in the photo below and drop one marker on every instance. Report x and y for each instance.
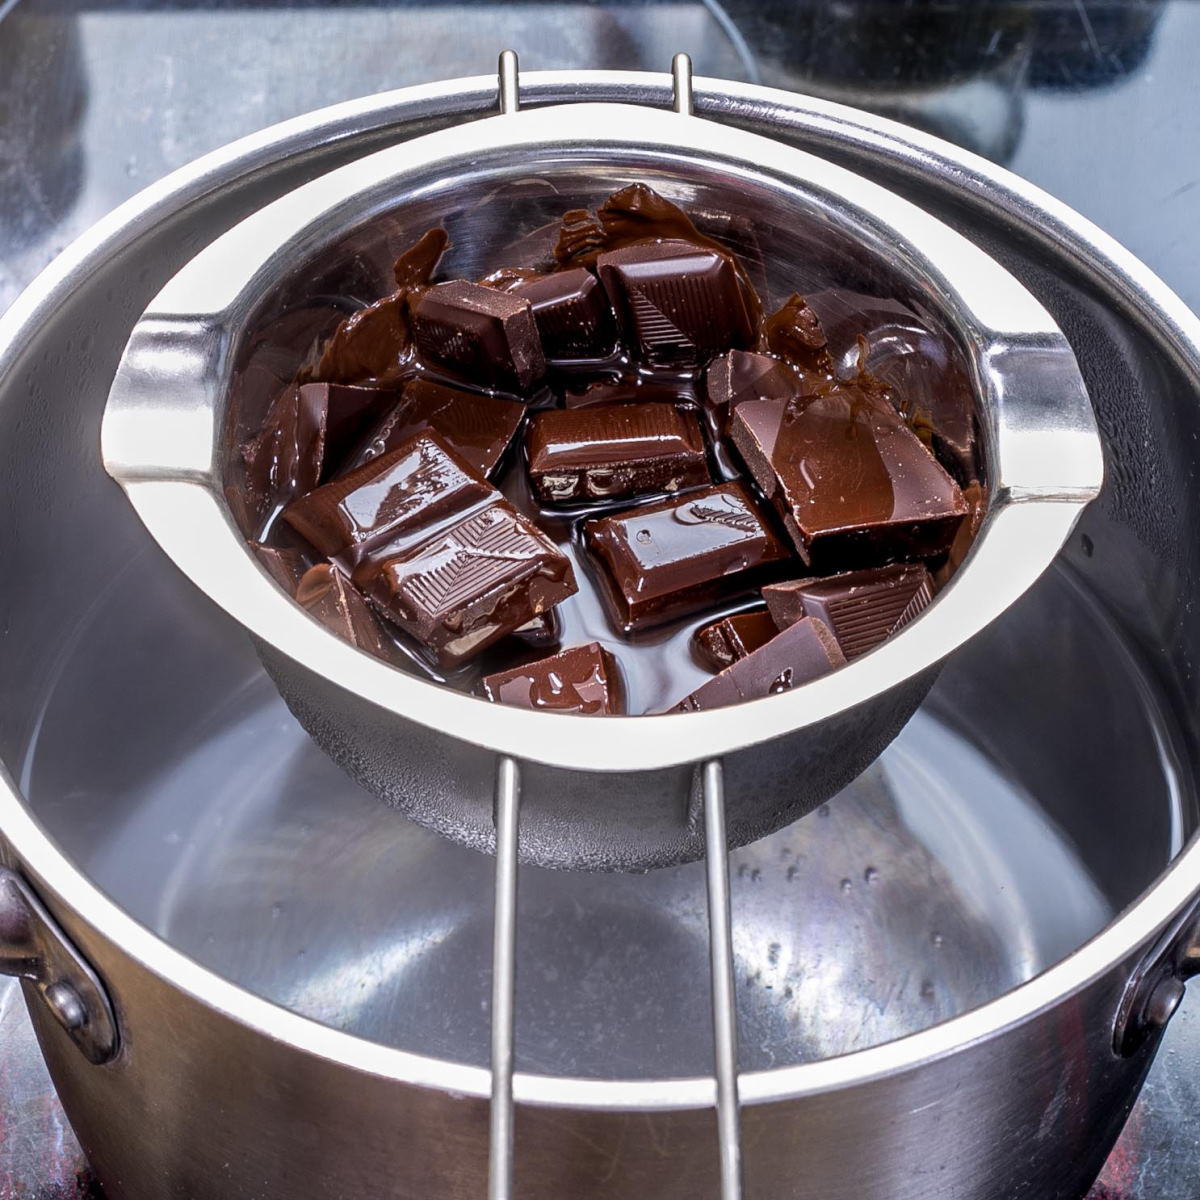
(480, 333)
(614, 451)
(573, 315)
(542, 632)
(415, 267)
(678, 304)
(863, 608)
(581, 679)
(402, 494)
(284, 565)
(507, 279)
(474, 581)
(794, 333)
(674, 558)
(371, 344)
(478, 428)
(853, 483)
(723, 642)
(801, 653)
(675, 391)
(743, 375)
(326, 593)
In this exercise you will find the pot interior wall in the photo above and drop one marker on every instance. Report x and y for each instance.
(1033, 796)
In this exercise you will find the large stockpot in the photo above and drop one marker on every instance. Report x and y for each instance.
(194, 894)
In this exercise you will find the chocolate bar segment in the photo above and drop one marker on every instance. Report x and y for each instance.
(801, 653)
(614, 451)
(573, 316)
(723, 642)
(477, 579)
(667, 560)
(744, 375)
(580, 679)
(484, 335)
(678, 304)
(326, 593)
(478, 428)
(854, 485)
(863, 608)
(285, 565)
(401, 494)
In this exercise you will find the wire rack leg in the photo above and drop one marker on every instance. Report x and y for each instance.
(504, 978)
(724, 999)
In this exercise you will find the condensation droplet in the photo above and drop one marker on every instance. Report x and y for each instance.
(870, 875)
(847, 885)
(643, 536)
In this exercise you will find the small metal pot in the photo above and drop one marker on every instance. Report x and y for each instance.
(240, 978)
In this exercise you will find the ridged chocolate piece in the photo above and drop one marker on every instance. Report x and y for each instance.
(794, 333)
(477, 579)
(723, 642)
(573, 316)
(801, 653)
(326, 593)
(667, 560)
(678, 304)
(478, 428)
(480, 333)
(854, 485)
(744, 375)
(580, 679)
(308, 431)
(371, 345)
(614, 451)
(402, 494)
(285, 565)
(863, 608)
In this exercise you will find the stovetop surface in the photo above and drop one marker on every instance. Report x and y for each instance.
(1095, 101)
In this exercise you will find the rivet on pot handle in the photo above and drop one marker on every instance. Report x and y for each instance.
(33, 947)
(1157, 987)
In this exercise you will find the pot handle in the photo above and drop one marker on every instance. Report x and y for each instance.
(34, 948)
(1157, 986)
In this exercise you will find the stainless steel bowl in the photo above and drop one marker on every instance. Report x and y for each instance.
(618, 793)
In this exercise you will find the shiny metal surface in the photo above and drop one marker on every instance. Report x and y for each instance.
(174, 401)
(913, 1117)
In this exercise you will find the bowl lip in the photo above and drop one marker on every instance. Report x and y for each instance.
(164, 443)
(832, 128)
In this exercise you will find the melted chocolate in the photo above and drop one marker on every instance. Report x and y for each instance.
(581, 679)
(326, 593)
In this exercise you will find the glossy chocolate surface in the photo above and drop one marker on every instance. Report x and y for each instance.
(573, 316)
(802, 652)
(478, 428)
(371, 345)
(485, 335)
(614, 451)
(666, 560)
(721, 643)
(854, 485)
(326, 593)
(285, 565)
(580, 679)
(862, 608)
(744, 375)
(794, 333)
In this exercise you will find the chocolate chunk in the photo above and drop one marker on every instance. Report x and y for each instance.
(542, 632)
(482, 334)
(478, 428)
(743, 375)
(401, 494)
(678, 304)
(370, 345)
(326, 593)
(723, 642)
(674, 391)
(674, 558)
(283, 564)
(801, 653)
(415, 267)
(308, 430)
(853, 483)
(573, 315)
(475, 580)
(794, 333)
(611, 451)
(863, 608)
(581, 679)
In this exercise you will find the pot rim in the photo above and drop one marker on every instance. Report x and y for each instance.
(827, 126)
